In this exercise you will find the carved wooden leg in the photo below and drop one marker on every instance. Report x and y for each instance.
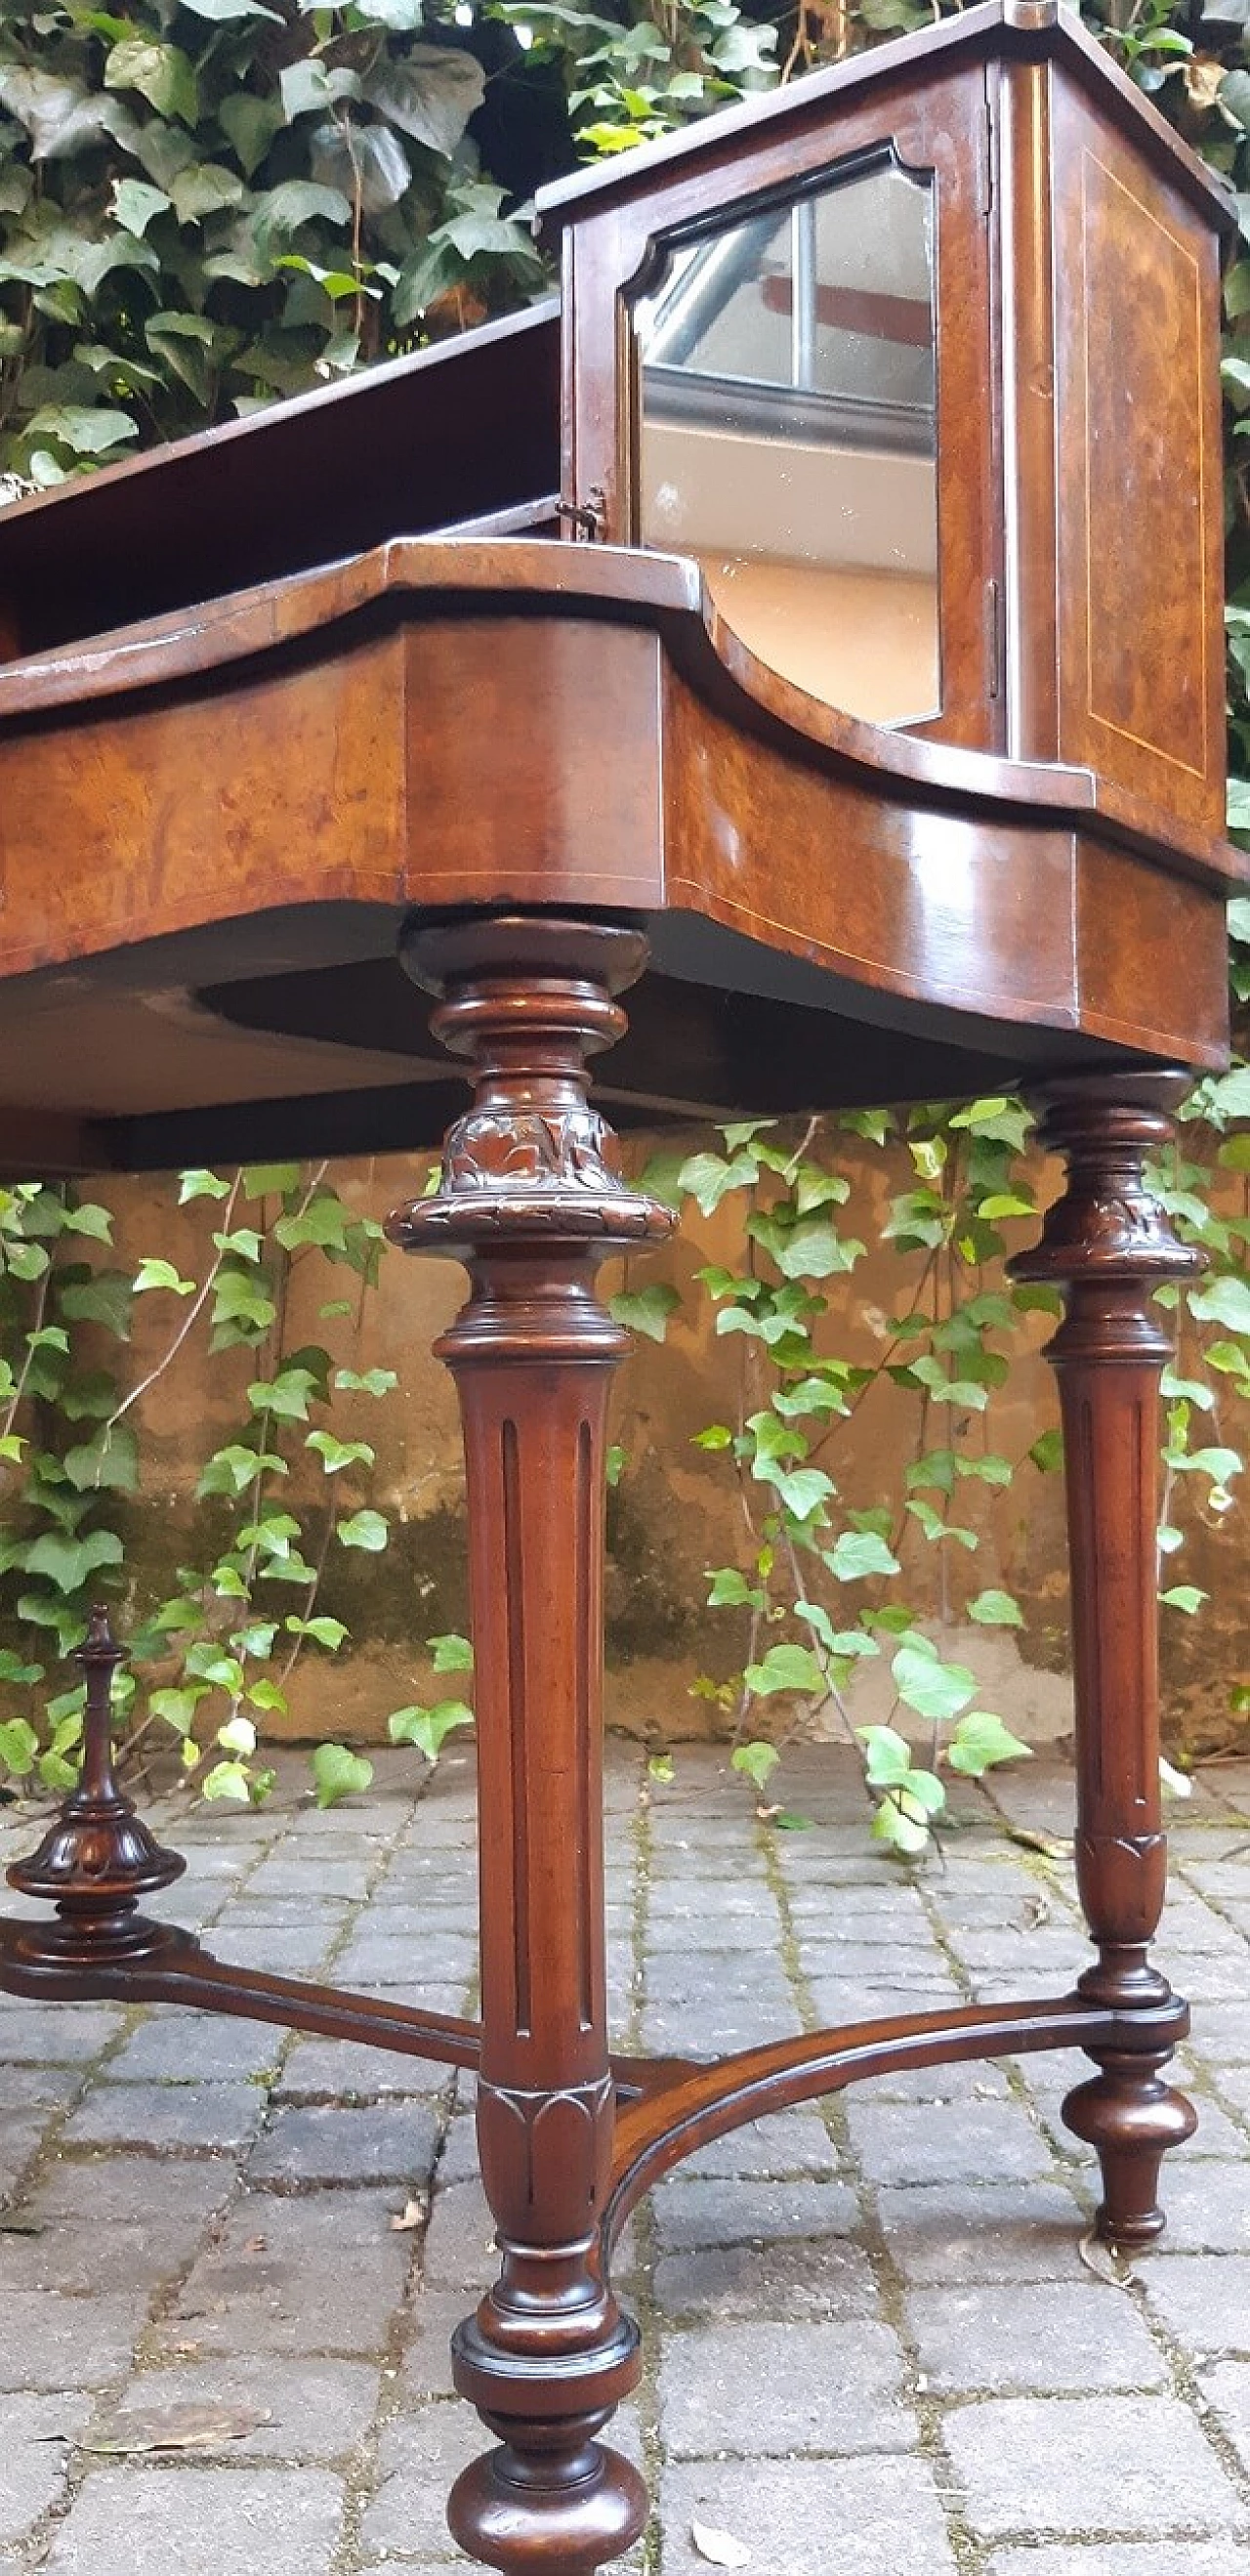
(1108, 1244)
(530, 1201)
(98, 1859)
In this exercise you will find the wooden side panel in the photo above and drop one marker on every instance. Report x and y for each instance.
(973, 916)
(126, 823)
(1134, 926)
(534, 749)
(1140, 542)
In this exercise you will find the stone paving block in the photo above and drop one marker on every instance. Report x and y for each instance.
(200, 2521)
(826, 2277)
(328, 2143)
(672, 2028)
(1202, 2299)
(737, 2212)
(1033, 2468)
(866, 2517)
(374, 1957)
(1040, 2336)
(426, 2367)
(872, 1966)
(34, 2462)
(1134, 2558)
(172, 2047)
(20, 2135)
(418, 2456)
(167, 2115)
(54, 2343)
(837, 2001)
(956, 2232)
(80, 2260)
(343, 2067)
(172, 2201)
(299, 1951)
(778, 2391)
(459, 2251)
(321, 2273)
(975, 2080)
(38, 2088)
(60, 2034)
(1207, 2202)
(794, 2143)
(1227, 2390)
(1221, 2034)
(284, 1873)
(971, 2142)
(319, 2409)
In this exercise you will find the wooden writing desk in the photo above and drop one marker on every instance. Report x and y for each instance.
(320, 758)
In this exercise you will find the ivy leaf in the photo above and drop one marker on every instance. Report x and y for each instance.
(980, 1741)
(428, 1728)
(323, 1630)
(784, 1668)
(709, 1178)
(1222, 1301)
(161, 73)
(285, 1395)
(857, 1554)
(1185, 1596)
(19, 1745)
(646, 1310)
(996, 1610)
(730, 1589)
(367, 1530)
(162, 1274)
(336, 1454)
(430, 93)
(87, 432)
(339, 1773)
(68, 1562)
(110, 1462)
(136, 205)
(758, 1760)
(227, 1780)
(376, 1381)
(201, 1185)
(935, 1690)
(450, 1653)
(250, 125)
(225, 9)
(105, 1299)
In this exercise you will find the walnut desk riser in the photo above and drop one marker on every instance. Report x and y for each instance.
(809, 628)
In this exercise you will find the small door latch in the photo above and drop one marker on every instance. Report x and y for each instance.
(588, 519)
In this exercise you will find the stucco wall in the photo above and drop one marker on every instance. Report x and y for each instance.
(676, 1510)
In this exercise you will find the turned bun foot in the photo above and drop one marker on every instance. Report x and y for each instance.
(1131, 2119)
(563, 2510)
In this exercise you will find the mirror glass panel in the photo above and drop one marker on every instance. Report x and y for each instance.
(788, 435)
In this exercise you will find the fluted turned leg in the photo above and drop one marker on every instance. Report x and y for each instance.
(1108, 1245)
(531, 1201)
(98, 1859)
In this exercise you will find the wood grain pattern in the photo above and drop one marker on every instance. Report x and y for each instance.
(1141, 532)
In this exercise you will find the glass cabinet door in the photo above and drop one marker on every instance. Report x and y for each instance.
(788, 433)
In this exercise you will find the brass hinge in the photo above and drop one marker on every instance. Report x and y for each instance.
(588, 519)
(994, 638)
(985, 161)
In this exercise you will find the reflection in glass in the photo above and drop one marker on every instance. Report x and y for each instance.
(788, 435)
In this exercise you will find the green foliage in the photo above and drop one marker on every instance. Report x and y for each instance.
(206, 205)
(214, 1661)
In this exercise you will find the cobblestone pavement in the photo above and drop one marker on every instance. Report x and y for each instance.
(873, 2348)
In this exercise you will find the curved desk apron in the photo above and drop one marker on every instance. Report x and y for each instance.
(265, 862)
